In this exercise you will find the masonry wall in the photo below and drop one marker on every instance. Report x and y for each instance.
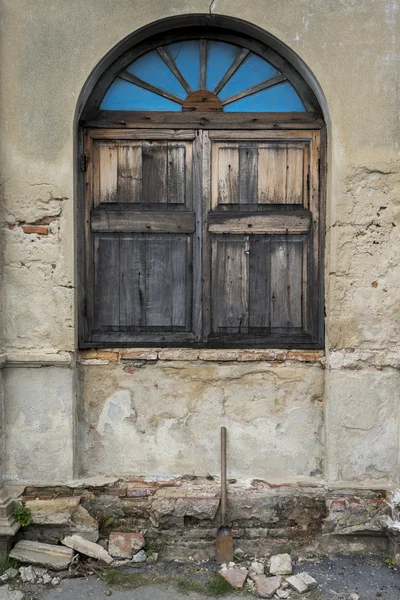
(327, 418)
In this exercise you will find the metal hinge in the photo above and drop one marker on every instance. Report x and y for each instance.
(83, 162)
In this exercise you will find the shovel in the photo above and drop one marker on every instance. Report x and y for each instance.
(224, 533)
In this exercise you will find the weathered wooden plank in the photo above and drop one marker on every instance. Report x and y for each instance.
(132, 280)
(158, 281)
(268, 135)
(176, 193)
(230, 260)
(154, 160)
(169, 61)
(295, 175)
(248, 174)
(259, 283)
(147, 86)
(108, 177)
(180, 286)
(167, 133)
(227, 158)
(286, 283)
(113, 120)
(106, 281)
(129, 173)
(232, 69)
(272, 163)
(271, 223)
(143, 221)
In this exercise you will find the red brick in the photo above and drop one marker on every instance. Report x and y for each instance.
(139, 354)
(218, 355)
(107, 355)
(125, 545)
(38, 229)
(135, 492)
(178, 354)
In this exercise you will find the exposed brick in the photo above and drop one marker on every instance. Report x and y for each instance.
(125, 545)
(38, 229)
(107, 355)
(218, 355)
(253, 355)
(337, 504)
(139, 354)
(178, 354)
(87, 354)
(135, 492)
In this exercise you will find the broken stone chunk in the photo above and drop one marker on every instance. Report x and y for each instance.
(7, 594)
(125, 545)
(257, 567)
(267, 586)
(46, 578)
(353, 596)
(28, 575)
(139, 557)
(152, 559)
(238, 553)
(234, 576)
(78, 543)
(65, 513)
(302, 582)
(282, 594)
(48, 555)
(281, 564)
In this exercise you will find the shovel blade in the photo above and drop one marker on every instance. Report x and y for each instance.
(224, 545)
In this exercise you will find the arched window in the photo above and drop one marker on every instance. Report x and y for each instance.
(202, 217)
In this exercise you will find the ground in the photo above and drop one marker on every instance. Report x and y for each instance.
(337, 577)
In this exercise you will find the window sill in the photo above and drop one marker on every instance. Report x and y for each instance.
(93, 356)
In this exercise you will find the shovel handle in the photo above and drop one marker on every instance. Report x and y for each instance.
(223, 476)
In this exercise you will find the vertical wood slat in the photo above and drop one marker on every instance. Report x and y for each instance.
(133, 280)
(228, 169)
(108, 179)
(158, 282)
(248, 174)
(154, 161)
(272, 162)
(295, 175)
(106, 281)
(230, 272)
(286, 283)
(176, 174)
(129, 173)
(260, 281)
(180, 290)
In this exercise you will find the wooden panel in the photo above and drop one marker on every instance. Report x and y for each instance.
(272, 175)
(248, 174)
(283, 222)
(132, 280)
(142, 134)
(154, 160)
(106, 281)
(286, 283)
(180, 287)
(228, 167)
(295, 175)
(129, 185)
(142, 221)
(176, 174)
(108, 163)
(230, 264)
(259, 282)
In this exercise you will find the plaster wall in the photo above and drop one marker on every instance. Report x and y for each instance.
(287, 419)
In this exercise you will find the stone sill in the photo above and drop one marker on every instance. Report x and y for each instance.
(93, 356)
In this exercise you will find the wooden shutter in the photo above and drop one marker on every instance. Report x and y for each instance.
(140, 237)
(263, 229)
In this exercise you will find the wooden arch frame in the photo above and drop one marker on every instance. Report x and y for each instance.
(88, 116)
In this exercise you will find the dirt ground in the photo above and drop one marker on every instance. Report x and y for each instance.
(337, 577)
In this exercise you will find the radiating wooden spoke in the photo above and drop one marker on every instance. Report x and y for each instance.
(255, 88)
(147, 86)
(203, 63)
(171, 64)
(232, 69)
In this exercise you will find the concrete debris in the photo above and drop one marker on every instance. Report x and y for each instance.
(257, 567)
(267, 586)
(55, 581)
(66, 513)
(234, 576)
(302, 582)
(152, 559)
(139, 557)
(281, 564)
(78, 543)
(7, 594)
(282, 594)
(28, 575)
(47, 555)
(125, 545)
(9, 574)
(238, 553)
(353, 596)
(47, 578)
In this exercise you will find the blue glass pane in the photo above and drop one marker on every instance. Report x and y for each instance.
(280, 98)
(152, 68)
(123, 95)
(220, 58)
(252, 71)
(187, 58)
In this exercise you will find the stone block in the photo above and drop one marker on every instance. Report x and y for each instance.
(65, 514)
(78, 543)
(281, 564)
(302, 582)
(234, 576)
(266, 586)
(53, 557)
(125, 545)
